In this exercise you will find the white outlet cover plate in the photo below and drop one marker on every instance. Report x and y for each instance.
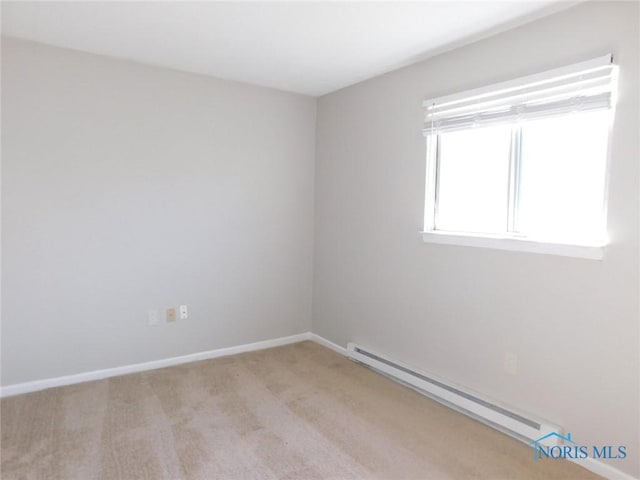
(184, 313)
(152, 317)
(511, 363)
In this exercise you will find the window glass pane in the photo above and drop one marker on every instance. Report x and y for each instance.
(473, 181)
(562, 177)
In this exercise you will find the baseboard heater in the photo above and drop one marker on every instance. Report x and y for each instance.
(518, 425)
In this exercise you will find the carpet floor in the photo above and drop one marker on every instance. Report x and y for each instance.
(295, 412)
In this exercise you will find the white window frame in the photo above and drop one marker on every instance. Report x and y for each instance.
(509, 241)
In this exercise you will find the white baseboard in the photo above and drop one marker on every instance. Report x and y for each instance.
(36, 385)
(603, 469)
(327, 343)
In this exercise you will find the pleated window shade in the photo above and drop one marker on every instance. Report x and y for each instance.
(581, 87)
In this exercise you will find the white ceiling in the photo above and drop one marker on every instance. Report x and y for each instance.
(305, 47)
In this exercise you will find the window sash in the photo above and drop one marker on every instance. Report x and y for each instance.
(515, 168)
(512, 229)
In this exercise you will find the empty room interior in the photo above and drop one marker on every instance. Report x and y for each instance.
(320, 240)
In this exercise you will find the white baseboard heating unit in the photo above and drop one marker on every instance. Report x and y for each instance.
(518, 425)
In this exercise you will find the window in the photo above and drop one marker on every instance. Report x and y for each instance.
(522, 165)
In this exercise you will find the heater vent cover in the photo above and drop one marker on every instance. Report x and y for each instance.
(524, 427)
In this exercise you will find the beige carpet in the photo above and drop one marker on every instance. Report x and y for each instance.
(294, 412)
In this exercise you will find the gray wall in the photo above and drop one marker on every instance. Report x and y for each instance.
(455, 311)
(125, 188)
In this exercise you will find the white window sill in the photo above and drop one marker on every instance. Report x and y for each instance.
(593, 252)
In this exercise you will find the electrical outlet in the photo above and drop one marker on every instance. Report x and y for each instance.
(152, 317)
(184, 313)
(171, 314)
(511, 363)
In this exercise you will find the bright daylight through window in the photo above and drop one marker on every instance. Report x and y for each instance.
(522, 165)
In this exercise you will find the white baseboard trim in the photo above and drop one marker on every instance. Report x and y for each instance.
(603, 469)
(327, 343)
(36, 385)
